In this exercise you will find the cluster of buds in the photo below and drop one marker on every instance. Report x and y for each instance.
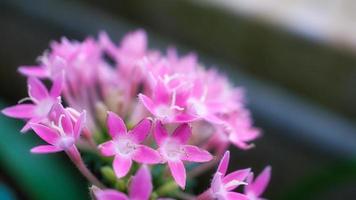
(134, 110)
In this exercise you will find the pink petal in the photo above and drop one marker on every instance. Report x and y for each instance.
(140, 131)
(261, 182)
(116, 126)
(182, 133)
(162, 96)
(195, 154)
(28, 124)
(47, 134)
(34, 71)
(121, 165)
(147, 102)
(107, 148)
(146, 155)
(36, 89)
(141, 184)
(185, 118)
(160, 133)
(67, 123)
(79, 124)
(239, 175)
(216, 183)
(46, 149)
(110, 194)
(57, 86)
(20, 111)
(224, 163)
(134, 42)
(236, 196)
(178, 172)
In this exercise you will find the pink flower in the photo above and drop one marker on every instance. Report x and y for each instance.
(174, 150)
(126, 146)
(167, 104)
(240, 130)
(256, 187)
(42, 102)
(222, 184)
(61, 134)
(140, 188)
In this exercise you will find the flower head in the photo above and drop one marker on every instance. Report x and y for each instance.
(174, 150)
(42, 102)
(140, 188)
(61, 133)
(126, 145)
(222, 185)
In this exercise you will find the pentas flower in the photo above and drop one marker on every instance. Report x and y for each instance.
(42, 102)
(222, 185)
(174, 150)
(126, 145)
(140, 188)
(167, 104)
(256, 187)
(61, 134)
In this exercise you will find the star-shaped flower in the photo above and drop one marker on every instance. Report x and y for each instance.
(126, 145)
(174, 150)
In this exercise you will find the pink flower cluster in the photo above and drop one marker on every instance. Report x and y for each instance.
(142, 108)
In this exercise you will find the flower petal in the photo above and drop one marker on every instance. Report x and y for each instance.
(141, 130)
(46, 149)
(146, 155)
(79, 124)
(141, 184)
(261, 182)
(36, 89)
(236, 196)
(238, 177)
(34, 71)
(57, 86)
(22, 111)
(47, 134)
(224, 163)
(107, 148)
(185, 118)
(121, 165)
(147, 102)
(160, 133)
(178, 172)
(182, 133)
(195, 154)
(110, 194)
(116, 126)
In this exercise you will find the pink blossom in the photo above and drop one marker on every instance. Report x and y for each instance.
(167, 104)
(174, 150)
(255, 188)
(126, 145)
(42, 102)
(61, 134)
(222, 185)
(140, 188)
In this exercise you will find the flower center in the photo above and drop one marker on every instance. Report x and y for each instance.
(65, 142)
(44, 106)
(171, 150)
(164, 111)
(125, 146)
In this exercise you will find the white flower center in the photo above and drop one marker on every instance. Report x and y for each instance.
(65, 142)
(43, 107)
(125, 146)
(171, 150)
(163, 111)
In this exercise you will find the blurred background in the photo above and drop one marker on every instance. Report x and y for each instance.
(296, 58)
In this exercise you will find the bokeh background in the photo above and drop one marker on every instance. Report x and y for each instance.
(296, 58)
